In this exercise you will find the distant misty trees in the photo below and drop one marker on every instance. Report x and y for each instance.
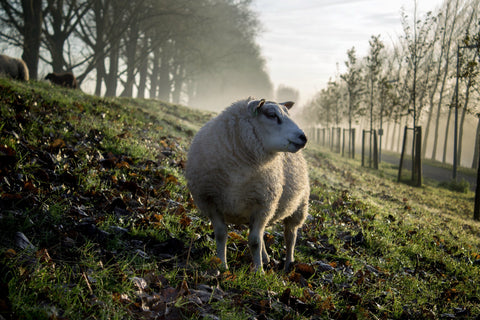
(192, 51)
(412, 80)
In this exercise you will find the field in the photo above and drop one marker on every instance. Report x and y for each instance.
(96, 222)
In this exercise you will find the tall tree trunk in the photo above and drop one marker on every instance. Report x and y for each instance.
(100, 69)
(56, 39)
(431, 96)
(33, 18)
(191, 91)
(99, 46)
(164, 83)
(155, 73)
(111, 79)
(178, 84)
(143, 70)
(131, 59)
(58, 62)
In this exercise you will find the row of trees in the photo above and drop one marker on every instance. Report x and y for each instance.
(412, 81)
(190, 51)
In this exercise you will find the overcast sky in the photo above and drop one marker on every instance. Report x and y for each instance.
(304, 40)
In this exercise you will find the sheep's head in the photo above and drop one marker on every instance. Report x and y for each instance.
(278, 132)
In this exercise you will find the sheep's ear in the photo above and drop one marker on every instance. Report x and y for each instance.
(256, 105)
(288, 104)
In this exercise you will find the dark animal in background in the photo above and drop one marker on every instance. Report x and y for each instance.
(13, 67)
(66, 79)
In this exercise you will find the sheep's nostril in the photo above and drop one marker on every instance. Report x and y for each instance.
(303, 138)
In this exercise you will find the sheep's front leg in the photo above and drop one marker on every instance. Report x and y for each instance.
(265, 258)
(255, 242)
(220, 230)
(290, 235)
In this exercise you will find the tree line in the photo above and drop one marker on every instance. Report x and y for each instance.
(190, 51)
(411, 82)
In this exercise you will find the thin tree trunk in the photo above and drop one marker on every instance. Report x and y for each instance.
(444, 80)
(399, 141)
(445, 145)
(436, 81)
(462, 122)
(392, 140)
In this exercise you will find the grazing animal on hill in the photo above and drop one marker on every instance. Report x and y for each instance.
(243, 167)
(14, 68)
(66, 79)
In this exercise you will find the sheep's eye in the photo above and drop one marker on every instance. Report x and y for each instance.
(273, 116)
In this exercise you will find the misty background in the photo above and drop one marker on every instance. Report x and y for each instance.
(205, 54)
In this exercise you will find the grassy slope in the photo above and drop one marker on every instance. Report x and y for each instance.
(96, 185)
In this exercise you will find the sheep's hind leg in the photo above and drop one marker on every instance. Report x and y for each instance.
(220, 230)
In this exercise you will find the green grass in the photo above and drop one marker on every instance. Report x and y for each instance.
(97, 186)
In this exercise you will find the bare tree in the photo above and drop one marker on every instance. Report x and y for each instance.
(374, 66)
(352, 80)
(448, 23)
(469, 72)
(61, 20)
(419, 43)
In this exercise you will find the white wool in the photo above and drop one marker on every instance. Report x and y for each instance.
(239, 173)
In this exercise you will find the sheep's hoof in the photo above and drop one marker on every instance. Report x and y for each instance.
(258, 270)
(288, 267)
(222, 268)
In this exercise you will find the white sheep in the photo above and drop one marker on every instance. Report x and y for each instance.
(244, 167)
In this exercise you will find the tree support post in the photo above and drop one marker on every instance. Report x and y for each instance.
(363, 148)
(418, 156)
(352, 142)
(375, 150)
(402, 154)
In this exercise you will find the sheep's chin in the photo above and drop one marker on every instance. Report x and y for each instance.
(294, 147)
(287, 147)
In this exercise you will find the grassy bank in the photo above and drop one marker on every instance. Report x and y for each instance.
(96, 222)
